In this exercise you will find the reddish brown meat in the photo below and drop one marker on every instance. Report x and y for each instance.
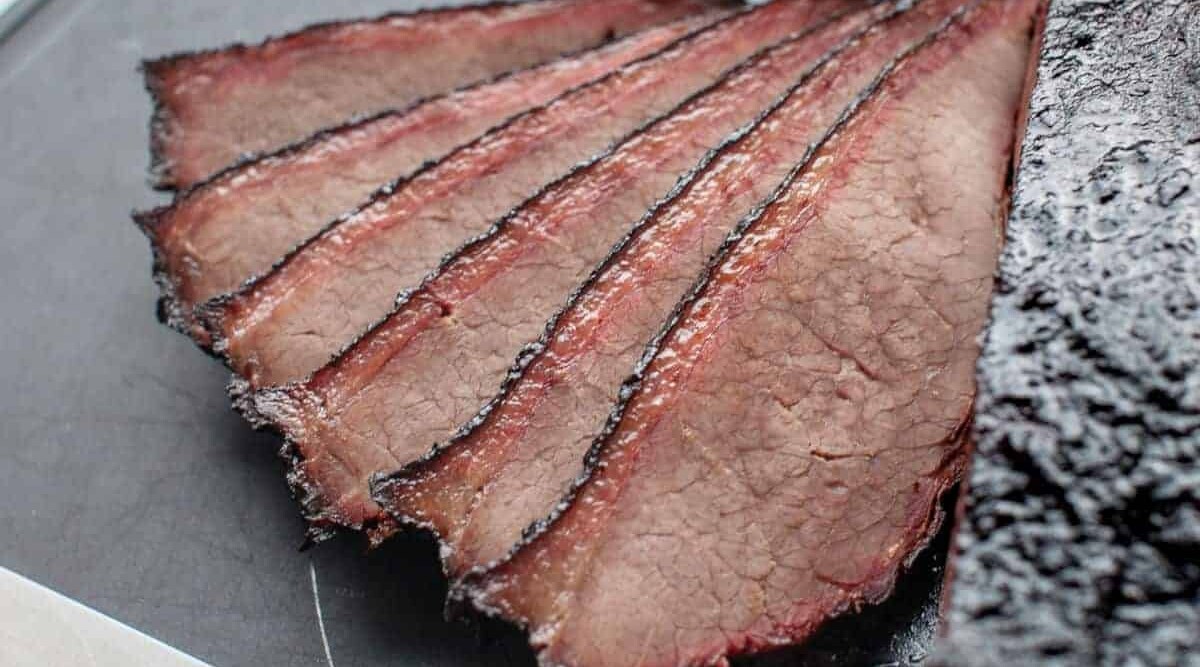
(213, 106)
(779, 458)
(236, 225)
(442, 354)
(292, 321)
(510, 468)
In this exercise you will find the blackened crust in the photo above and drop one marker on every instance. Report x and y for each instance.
(1080, 537)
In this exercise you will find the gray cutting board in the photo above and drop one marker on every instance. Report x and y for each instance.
(125, 480)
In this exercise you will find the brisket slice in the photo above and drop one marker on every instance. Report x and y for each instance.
(1079, 543)
(221, 232)
(510, 467)
(213, 106)
(317, 300)
(779, 455)
(427, 369)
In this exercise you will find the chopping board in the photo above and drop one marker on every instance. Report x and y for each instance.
(126, 481)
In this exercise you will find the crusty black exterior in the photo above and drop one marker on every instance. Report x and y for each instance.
(1079, 542)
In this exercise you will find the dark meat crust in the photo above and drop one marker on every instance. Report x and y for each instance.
(155, 70)
(1080, 537)
(260, 407)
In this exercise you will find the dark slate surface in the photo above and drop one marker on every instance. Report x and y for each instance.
(1082, 539)
(125, 479)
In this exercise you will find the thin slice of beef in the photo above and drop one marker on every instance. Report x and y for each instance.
(413, 379)
(235, 225)
(213, 106)
(1079, 543)
(512, 465)
(779, 455)
(293, 320)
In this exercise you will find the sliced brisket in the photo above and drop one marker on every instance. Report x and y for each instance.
(213, 106)
(234, 226)
(778, 457)
(510, 467)
(427, 369)
(1079, 545)
(293, 320)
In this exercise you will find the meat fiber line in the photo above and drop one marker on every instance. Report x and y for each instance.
(661, 315)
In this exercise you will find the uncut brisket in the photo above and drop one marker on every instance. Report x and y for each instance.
(427, 369)
(293, 320)
(213, 106)
(1079, 544)
(778, 457)
(511, 467)
(234, 226)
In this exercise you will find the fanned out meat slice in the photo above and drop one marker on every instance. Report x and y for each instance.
(213, 106)
(511, 466)
(234, 226)
(778, 456)
(427, 369)
(290, 322)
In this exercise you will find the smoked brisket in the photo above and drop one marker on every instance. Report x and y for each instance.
(427, 369)
(777, 458)
(213, 106)
(234, 226)
(513, 464)
(292, 321)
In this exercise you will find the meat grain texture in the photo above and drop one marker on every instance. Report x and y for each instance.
(1079, 543)
(292, 321)
(779, 456)
(237, 224)
(514, 462)
(426, 369)
(212, 107)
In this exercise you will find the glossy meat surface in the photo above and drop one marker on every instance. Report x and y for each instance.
(479, 492)
(433, 363)
(1079, 543)
(778, 458)
(212, 107)
(295, 319)
(232, 227)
